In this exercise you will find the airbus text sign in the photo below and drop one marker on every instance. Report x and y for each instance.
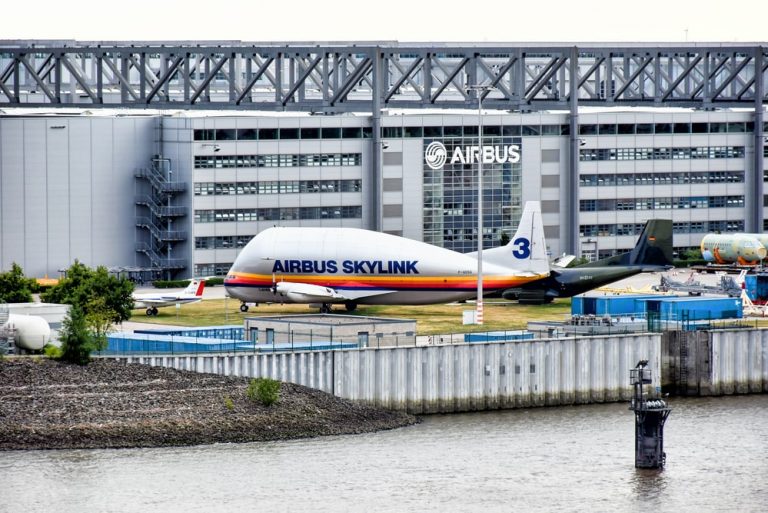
(436, 155)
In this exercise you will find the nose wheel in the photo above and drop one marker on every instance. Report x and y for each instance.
(325, 308)
(151, 311)
(243, 307)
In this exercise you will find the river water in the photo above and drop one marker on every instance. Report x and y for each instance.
(546, 459)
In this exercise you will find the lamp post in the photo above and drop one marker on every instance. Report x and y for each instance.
(479, 90)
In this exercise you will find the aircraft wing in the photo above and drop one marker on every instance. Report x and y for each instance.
(359, 294)
(307, 292)
(154, 301)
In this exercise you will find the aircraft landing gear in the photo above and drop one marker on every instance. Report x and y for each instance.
(243, 307)
(351, 306)
(325, 308)
(152, 311)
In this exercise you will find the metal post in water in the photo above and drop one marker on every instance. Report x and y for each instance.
(650, 415)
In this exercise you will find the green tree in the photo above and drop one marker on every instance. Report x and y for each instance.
(15, 287)
(96, 292)
(77, 342)
(99, 319)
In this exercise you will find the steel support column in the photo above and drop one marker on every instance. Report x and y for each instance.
(376, 144)
(570, 212)
(754, 205)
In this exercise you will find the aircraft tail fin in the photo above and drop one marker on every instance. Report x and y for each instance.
(653, 248)
(195, 288)
(527, 250)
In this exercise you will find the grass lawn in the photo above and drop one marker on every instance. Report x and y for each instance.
(431, 319)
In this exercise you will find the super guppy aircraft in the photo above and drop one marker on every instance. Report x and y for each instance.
(351, 266)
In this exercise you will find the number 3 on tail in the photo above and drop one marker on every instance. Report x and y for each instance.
(522, 248)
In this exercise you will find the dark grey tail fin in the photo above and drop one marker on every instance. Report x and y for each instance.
(653, 248)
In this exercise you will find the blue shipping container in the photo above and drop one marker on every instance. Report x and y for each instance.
(695, 309)
(624, 304)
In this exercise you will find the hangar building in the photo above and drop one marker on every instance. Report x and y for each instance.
(181, 189)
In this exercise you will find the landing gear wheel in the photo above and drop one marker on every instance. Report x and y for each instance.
(154, 311)
(149, 311)
(243, 307)
(351, 306)
(325, 309)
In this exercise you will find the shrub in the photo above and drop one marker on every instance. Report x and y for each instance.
(265, 390)
(229, 403)
(52, 351)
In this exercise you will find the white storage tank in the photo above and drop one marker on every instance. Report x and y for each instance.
(32, 332)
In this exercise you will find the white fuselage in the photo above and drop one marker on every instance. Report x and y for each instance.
(352, 265)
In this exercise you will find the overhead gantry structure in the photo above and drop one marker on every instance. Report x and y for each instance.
(371, 77)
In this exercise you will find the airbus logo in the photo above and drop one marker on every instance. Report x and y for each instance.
(436, 155)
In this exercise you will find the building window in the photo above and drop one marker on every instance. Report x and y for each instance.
(678, 153)
(242, 161)
(661, 203)
(277, 214)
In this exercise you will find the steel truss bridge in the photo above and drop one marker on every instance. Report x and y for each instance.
(371, 77)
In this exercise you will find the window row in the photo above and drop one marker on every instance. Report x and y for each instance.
(212, 269)
(389, 132)
(277, 214)
(611, 230)
(703, 152)
(692, 177)
(222, 242)
(667, 128)
(662, 203)
(275, 187)
(235, 161)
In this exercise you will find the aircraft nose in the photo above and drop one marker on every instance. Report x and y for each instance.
(761, 252)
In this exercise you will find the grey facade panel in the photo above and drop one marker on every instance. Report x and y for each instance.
(12, 184)
(393, 158)
(551, 181)
(550, 207)
(393, 184)
(550, 156)
(57, 194)
(393, 211)
(35, 204)
(551, 232)
(80, 194)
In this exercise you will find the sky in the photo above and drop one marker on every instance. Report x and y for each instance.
(509, 21)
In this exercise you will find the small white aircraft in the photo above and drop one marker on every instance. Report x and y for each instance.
(192, 294)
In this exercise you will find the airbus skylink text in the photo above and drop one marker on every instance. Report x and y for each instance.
(347, 266)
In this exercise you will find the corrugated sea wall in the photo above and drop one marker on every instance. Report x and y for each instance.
(452, 378)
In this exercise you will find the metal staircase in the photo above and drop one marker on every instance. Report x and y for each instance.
(7, 333)
(156, 210)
